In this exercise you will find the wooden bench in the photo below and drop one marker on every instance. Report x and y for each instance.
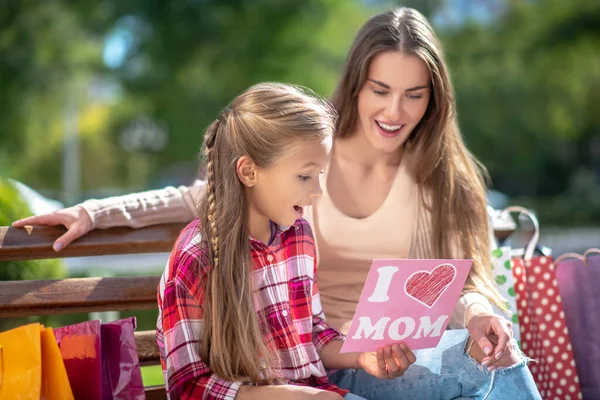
(66, 296)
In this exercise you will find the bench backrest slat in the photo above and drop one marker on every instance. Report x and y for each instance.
(36, 242)
(65, 296)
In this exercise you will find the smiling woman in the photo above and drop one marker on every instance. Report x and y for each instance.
(391, 105)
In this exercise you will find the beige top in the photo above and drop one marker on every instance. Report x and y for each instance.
(346, 246)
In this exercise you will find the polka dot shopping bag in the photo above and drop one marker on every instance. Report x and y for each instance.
(544, 332)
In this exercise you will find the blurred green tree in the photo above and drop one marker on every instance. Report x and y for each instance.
(527, 80)
(13, 207)
(526, 85)
(183, 61)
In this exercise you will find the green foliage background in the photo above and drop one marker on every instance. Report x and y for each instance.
(527, 79)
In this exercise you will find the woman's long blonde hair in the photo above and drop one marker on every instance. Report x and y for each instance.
(264, 123)
(447, 173)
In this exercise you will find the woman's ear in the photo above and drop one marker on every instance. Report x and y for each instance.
(246, 171)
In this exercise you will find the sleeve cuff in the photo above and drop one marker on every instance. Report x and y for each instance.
(326, 336)
(467, 304)
(226, 390)
(94, 209)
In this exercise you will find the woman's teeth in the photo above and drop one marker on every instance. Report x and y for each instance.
(391, 128)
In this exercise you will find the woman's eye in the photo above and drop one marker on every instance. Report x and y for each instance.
(415, 96)
(303, 177)
(379, 92)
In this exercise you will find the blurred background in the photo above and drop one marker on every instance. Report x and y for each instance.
(108, 97)
(112, 96)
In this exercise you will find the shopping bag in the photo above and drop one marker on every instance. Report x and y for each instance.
(121, 373)
(79, 346)
(22, 363)
(101, 360)
(501, 258)
(55, 382)
(579, 282)
(504, 281)
(1, 368)
(544, 331)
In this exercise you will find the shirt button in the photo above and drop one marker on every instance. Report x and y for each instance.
(284, 313)
(270, 258)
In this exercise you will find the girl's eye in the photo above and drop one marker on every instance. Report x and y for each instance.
(379, 92)
(303, 177)
(415, 96)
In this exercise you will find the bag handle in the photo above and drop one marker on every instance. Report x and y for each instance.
(491, 236)
(536, 236)
(583, 257)
(569, 255)
(588, 252)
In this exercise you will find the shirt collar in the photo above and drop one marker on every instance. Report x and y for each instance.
(278, 230)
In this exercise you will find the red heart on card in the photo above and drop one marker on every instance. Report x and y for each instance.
(427, 287)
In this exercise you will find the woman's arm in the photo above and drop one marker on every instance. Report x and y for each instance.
(469, 304)
(135, 210)
(145, 208)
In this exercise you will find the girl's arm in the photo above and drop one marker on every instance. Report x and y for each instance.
(285, 392)
(333, 359)
(187, 376)
(180, 298)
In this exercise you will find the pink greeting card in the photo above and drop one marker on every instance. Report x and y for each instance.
(406, 300)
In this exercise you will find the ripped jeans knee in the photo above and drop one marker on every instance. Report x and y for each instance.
(511, 359)
(514, 366)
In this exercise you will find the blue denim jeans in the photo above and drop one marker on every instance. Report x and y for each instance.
(445, 372)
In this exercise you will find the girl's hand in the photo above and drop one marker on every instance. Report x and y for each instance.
(389, 362)
(493, 336)
(75, 219)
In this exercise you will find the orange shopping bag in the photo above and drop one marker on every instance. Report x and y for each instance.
(55, 382)
(31, 366)
(22, 362)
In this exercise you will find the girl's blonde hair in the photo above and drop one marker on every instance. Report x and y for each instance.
(447, 173)
(265, 123)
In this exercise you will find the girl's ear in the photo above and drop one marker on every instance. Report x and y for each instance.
(246, 171)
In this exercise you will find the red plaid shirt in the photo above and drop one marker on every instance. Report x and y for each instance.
(284, 276)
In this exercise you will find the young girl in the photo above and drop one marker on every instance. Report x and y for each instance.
(239, 309)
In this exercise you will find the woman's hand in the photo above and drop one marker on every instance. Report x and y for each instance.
(75, 219)
(492, 335)
(389, 362)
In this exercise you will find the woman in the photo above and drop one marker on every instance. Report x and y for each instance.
(400, 183)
